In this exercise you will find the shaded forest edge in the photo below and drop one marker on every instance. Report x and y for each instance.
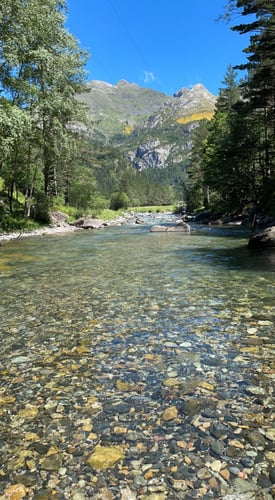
(47, 163)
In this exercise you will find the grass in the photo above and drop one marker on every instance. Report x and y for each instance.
(153, 209)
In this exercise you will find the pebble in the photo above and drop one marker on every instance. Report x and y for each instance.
(104, 399)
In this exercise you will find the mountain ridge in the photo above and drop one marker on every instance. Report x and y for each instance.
(152, 129)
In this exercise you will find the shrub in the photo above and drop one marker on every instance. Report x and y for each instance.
(41, 210)
(119, 200)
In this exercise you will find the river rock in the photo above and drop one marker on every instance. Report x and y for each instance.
(180, 227)
(88, 223)
(52, 463)
(270, 434)
(170, 414)
(104, 457)
(255, 438)
(264, 239)
(15, 492)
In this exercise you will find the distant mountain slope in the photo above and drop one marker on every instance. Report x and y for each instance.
(151, 128)
(113, 108)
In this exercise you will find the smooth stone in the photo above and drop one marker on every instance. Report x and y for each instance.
(270, 434)
(104, 457)
(134, 436)
(116, 408)
(170, 344)
(43, 495)
(234, 470)
(14, 492)
(20, 359)
(169, 414)
(218, 430)
(272, 475)
(233, 452)
(255, 438)
(78, 496)
(25, 479)
(242, 486)
(52, 463)
(217, 447)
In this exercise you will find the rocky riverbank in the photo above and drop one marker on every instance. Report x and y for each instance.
(60, 225)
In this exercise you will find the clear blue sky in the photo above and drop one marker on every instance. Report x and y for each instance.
(161, 44)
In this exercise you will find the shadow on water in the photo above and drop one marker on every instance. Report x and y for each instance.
(227, 231)
(239, 257)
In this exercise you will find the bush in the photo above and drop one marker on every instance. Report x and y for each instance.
(119, 200)
(41, 210)
(10, 223)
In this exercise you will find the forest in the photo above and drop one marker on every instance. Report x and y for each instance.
(46, 161)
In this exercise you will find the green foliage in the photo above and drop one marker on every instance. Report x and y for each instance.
(10, 223)
(17, 224)
(119, 200)
(41, 211)
(154, 209)
(231, 160)
(81, 188)
(41, 73)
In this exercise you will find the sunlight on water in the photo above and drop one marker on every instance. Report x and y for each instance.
(128, 278)
(104, 332)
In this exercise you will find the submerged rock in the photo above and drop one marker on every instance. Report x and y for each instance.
(104, 457)
(180, 227)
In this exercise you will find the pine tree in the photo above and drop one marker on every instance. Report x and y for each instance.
(259, 90)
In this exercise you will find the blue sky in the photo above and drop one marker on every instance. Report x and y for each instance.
(161, 44)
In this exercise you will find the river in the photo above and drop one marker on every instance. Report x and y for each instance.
(155, 346)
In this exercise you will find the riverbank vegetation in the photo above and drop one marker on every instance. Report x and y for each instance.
(49, 161)
(233, 160)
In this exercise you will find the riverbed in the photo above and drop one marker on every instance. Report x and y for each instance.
(137, 365)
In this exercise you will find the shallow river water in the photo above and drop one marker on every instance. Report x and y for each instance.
(137, 365)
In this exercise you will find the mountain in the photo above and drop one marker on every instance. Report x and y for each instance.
(152, 129)
(112, 108)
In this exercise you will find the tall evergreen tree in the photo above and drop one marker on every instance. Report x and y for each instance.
(259, 90)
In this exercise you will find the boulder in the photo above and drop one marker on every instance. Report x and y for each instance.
(180, 227)
(88, 223)
(263, 239)
(58, 219)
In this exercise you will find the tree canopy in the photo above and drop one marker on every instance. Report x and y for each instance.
(237, 161)
(41, 71)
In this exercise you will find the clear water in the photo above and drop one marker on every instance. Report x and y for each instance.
(125, 285)
(110, 327)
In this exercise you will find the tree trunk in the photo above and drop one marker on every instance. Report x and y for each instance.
(10, 195)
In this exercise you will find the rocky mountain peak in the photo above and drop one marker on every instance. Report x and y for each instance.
(153, 129)
(197, 91)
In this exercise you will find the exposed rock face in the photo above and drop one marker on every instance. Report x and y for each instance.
(264, 239)
(153, 129)
(150, 155)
